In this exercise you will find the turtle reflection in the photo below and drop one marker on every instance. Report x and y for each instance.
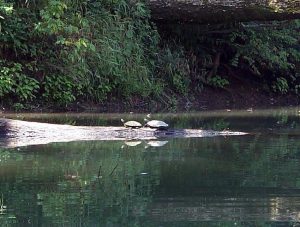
(156, 143)
(150, 143)
(131, 143)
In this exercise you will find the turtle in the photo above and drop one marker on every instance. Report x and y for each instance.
(156, 124)
(131, 124)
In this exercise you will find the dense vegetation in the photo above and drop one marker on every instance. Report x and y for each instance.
(59, 52)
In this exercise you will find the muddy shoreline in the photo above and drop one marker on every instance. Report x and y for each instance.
(210, 99)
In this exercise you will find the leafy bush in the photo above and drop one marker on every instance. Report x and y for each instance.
(271, 53)
(67, 50)
(26, 87)
(173, 68)
(15, 83)
(60, 89)
(281, 85)
(6, 81)
(268, 51)
(104, 47)
(107, 51)
(218, 82)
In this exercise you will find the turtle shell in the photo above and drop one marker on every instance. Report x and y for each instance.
(133, 124)
(156, 124)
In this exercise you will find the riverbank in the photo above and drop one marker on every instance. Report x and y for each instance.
(230, 98)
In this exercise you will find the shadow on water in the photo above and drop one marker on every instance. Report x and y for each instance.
(251, 180)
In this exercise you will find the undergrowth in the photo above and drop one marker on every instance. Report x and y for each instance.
(264, 54)
(59, 52)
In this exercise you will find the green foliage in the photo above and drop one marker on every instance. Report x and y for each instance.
(16, 36)
(6, 81)
(52, 19)
(104, 47)
(60, 89)
(18, 106)
(104, 50)
(173, 68)
(13, 81)
(218, 82)
(263, 52)
(271, 53)
(26, 87)
(124, 45)
(281, 85)
(67, 50)
(5, 9)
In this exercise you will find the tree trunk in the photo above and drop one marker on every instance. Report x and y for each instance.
(217, 11)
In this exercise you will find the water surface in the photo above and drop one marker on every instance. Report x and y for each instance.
(251, 180)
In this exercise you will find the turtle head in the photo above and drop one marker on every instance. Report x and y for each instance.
(148, 115)
(146, 120)
(122, 120)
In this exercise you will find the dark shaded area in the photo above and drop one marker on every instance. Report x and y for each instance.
(203, 12)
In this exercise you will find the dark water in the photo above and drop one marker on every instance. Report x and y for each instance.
(251, 180)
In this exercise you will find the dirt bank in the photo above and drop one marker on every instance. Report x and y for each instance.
(234, 97)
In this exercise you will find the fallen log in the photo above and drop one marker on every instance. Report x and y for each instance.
(16, 133)
(220, 11)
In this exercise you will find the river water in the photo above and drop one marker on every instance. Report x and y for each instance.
(251, 180)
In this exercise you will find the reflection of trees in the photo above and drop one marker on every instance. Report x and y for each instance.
(272, 162)
(99, 183)
(231, 179)
(90, 183)
(247, 161)
(258, 121)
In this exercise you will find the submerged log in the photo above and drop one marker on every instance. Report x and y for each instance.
(220, 11)
(15, 133)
